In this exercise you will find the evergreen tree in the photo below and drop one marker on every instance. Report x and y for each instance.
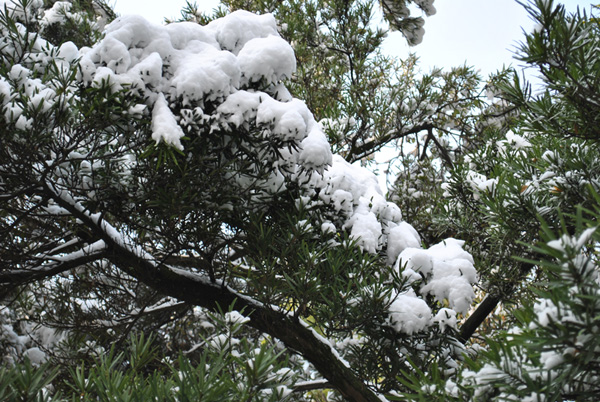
(176, 224)
(533, 198)
(165, 172)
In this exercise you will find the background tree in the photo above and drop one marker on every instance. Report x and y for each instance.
(534, 195)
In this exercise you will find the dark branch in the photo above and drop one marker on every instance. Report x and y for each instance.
(483, 310)
(200, 291)
(17, 277)
(368, 148)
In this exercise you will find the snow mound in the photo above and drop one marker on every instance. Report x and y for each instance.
(446, 270)
(211, 68)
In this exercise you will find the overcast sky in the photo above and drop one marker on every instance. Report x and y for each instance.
(482, 33)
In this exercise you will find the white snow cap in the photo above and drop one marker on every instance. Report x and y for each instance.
(218, 63)
(270, 58)
(409, 313)
(446, 269)
(236, 29)
(164, 125)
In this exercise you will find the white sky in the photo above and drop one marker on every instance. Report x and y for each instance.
(481, 33)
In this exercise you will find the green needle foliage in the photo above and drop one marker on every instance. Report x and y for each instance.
(137, 269)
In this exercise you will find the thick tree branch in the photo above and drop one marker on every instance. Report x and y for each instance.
(201, 291)
(15, 277)
(487, 307)
(483, 310)
(195, 289)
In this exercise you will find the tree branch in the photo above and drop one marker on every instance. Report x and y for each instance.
(16, 277)
(201, 291)
(311, 385)
(373, 146)
(483, 310)
(486, 308)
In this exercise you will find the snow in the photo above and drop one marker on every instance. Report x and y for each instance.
(358, 204)
(400, 238)
(426, 6)
(366, 229)
(93, 248)
(480, 184)
(114, 54)
(68, 52)
(409, 313)
(234, 317)
(328, 227)
(237, 28)
(149, 70)
(270, 58)
(209, 75)
(164, 125)
(290, 120)
(512, 142)
(240, 107)
(60, 12)
(551, 359)
(517, 141)
(315, 153)
(453, 275)
(445, 318)
(35, 355)
(106, 77)
(446, 270)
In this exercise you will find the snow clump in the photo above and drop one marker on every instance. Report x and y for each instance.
(217, 65)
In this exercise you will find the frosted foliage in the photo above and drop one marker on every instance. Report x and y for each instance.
(409, 313)
(27, 339)
(426, 6)
(516, 141)
(399, 14)
(446, 271)
(480, 184)
(194, 80)
(57, 13)
(414, 33)
(216, 63)
(15, 8)
(357, 204)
